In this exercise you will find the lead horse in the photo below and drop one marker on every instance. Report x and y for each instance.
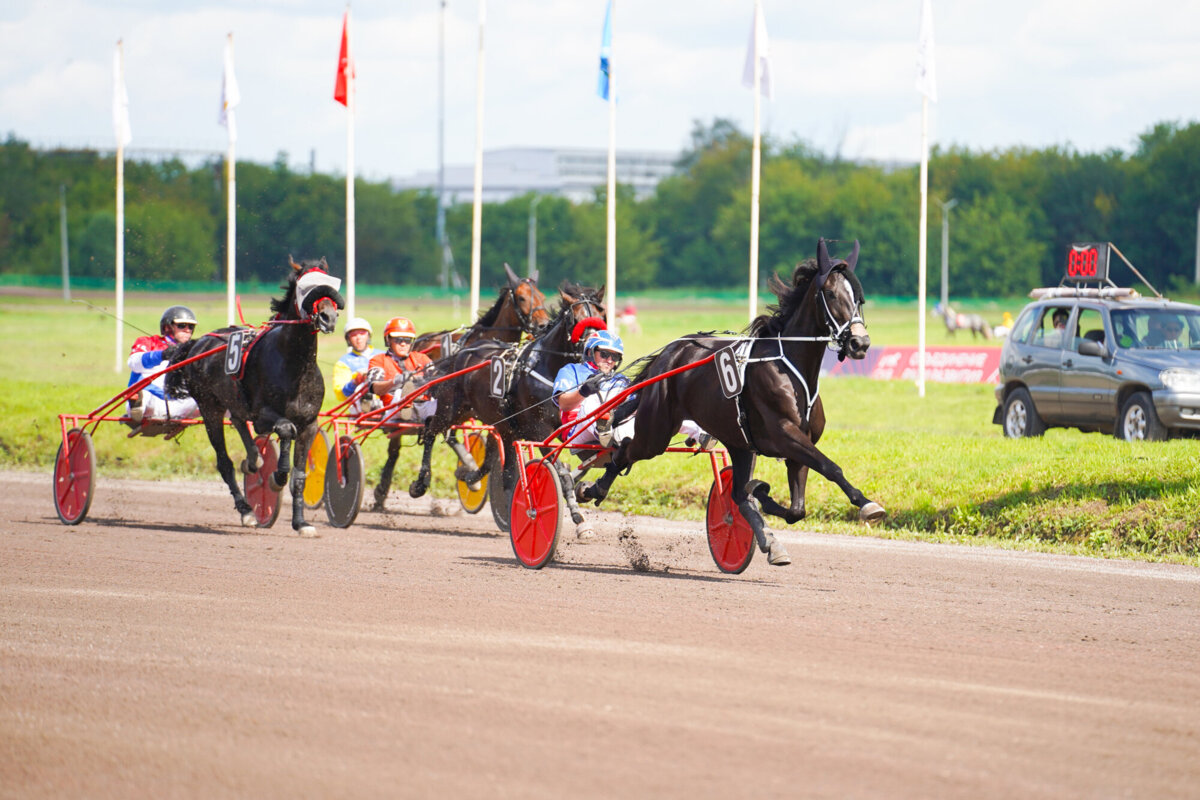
(777, 413)
(278, 386)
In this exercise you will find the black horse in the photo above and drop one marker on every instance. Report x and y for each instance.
(778, 412)
(520, 309)
(523, 410)
(279, 387)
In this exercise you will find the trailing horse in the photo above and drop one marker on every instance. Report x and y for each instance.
(971, 322)
(777, 413)
(520, 309)
(278, 386)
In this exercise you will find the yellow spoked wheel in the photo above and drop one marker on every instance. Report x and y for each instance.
(472, 500)
(314, 473)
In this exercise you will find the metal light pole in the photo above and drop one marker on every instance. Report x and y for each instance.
(1198, 245)
(946, 206)
(444, 274)
(532, 268)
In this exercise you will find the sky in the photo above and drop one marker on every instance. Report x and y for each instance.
(1086, 74)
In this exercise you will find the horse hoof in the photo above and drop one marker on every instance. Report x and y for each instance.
(778, 556)
(871, 513)
(249, 520)
(584, 531)
(417, 489)
(275, 485)
(759, 489)
(307, 532)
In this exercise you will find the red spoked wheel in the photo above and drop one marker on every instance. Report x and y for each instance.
(257, 487)
(730, 539)
(74, 477)
(535, 516)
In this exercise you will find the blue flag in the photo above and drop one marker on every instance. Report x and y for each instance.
(605, 53)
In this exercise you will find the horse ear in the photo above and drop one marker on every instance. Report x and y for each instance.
(824, 264)
(533, 276)
(513, 280)
(852, 261)
(292, 263)
(324, 264)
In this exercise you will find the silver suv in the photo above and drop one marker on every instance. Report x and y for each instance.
(1101, 360)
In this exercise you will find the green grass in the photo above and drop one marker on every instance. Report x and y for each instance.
(938, 465)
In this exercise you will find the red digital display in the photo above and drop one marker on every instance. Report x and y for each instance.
(1088, 262)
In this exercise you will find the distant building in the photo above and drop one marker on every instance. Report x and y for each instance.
(573, 173)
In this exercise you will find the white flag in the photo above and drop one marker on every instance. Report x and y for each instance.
(926, 71)
(758, 34)
(230, 96)
(120, 100)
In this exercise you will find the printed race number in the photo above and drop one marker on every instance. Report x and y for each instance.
(496, 384)
(233, 355)
(727, 372)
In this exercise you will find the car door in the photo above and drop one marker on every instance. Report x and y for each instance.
(1088, 387)
(1037, 361)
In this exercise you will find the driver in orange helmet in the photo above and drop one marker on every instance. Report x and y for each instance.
(398, 371)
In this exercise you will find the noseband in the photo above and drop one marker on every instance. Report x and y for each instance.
(839, 332)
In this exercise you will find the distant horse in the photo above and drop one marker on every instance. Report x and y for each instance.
(520, 309)
(279, 386)
(954, 321)
(777, 414)
(524, 410)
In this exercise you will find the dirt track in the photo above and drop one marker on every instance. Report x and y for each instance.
(158, 650)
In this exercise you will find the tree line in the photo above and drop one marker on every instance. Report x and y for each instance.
(1017, 212)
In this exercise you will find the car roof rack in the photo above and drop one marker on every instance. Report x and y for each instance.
(1104, 292)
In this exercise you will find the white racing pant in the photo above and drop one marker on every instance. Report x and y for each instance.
(155, 407)
(623, 431)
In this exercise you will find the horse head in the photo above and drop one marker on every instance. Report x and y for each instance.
(528, 302)
(585, 310)
(312, 296)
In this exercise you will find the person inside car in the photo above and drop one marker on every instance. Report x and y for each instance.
(1057, 337)
(1166, 333)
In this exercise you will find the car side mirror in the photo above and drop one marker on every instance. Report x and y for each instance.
(1090, 347)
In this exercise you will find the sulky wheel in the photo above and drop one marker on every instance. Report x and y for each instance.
(501, 499)
(730, 539)
(74, 477)
(536, 516)
(257, 487)
(472, 501)
(314, 474)
(344, 484)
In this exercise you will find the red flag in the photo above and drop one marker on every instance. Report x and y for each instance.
(345, 73)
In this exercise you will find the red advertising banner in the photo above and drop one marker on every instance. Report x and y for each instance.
(942, 364)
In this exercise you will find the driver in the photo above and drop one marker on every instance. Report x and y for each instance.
(1166, 333)
(398, 371)
(351, 369)
(150, 355)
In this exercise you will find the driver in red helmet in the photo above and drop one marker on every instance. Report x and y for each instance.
(398, 371)
(150, 355)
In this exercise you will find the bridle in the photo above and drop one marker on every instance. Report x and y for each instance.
(526, 320)
(839, 332)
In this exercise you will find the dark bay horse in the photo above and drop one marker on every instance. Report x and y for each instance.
(279, 387)
(520, 309)
(523, 411)
(778, 413)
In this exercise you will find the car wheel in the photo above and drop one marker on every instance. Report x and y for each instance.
(1139, 421)
(1020, 417)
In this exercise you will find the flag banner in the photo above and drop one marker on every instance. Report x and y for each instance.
(758, 34)
(230, 96)
(345, 74)
(605, 54)
(926, 72)
(120, 108)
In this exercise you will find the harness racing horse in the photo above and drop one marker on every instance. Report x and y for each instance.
(774, 413)
(954, 320)
(524, 410)
(279, 387)
(520, 309)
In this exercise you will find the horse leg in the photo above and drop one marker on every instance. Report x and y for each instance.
(286, 431)
(583, 528)
(214, 426)
(748, 504)
(468, 471)
(421, 485)
(385, 474)
(797, 479)
(808, 455)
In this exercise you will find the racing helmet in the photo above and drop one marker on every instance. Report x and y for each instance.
(176, 315)
(604, 340)
(399, 328)
(358, 324)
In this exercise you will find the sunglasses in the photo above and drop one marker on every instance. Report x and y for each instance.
(608, 355)
(190, 326)
(1173, 328)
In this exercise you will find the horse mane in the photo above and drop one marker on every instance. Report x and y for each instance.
(285, 307)
(577, 290)
(488, 318)
(790, 297)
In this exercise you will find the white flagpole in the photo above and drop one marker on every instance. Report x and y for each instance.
(229, 100)
(121, 113)
(922, 237)
(350, 103)
(755, 169)
(610, 295)
(477, 207)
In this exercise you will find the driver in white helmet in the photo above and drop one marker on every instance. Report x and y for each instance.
(150, 355)
(351, 369)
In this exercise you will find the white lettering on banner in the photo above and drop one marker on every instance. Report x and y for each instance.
(942, 364)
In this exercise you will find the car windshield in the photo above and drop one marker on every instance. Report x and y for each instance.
(1157, 329)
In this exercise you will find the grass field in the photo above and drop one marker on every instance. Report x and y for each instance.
(938, 465)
